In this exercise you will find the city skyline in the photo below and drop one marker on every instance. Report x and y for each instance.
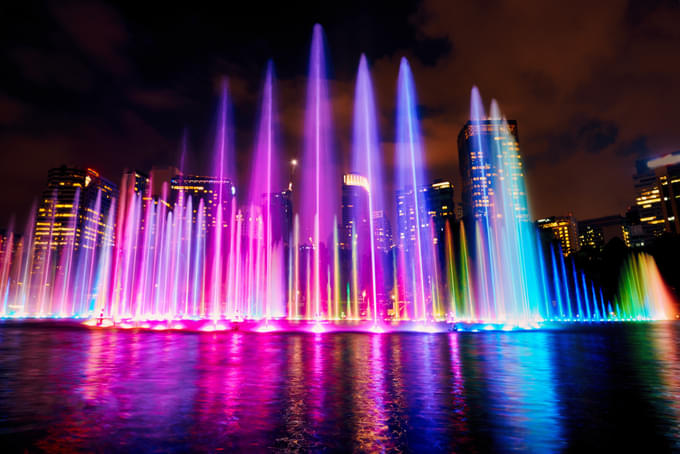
(138, 180)
(577, 140)
(390, 226)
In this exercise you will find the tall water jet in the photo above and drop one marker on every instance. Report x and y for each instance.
(484, 244)
(6, 252)
(264, 197)
(319, 176)
(510, 273)
(415, 245)
(225, 174)
(642, 292)
(366, 157)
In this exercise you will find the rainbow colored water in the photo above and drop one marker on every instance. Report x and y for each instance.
(167, 266)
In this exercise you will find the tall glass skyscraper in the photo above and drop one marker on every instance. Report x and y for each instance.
(478, 141)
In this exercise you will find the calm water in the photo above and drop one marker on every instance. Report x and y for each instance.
(606, 388)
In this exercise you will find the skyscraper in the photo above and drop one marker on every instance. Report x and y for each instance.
(282, 216)
(648, 203)
(354, 208)
(209, 190)
(563, 229)
(480, 146)
(657, 198)
(72, 214)
(596, 233)
(67, 204)
(440, 207)
(134, 181)
(383, 232)
(667, 171)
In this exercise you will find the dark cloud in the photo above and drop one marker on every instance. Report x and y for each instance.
(158, 100)
(637, 147)
(12, 111)
(52, 70)
(596, 135)
(431, 50)
(97, 30)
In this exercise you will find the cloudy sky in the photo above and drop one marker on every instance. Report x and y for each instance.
(593, 85)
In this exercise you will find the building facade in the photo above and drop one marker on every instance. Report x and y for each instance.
(72, 216)
(207, 193)
(657, 198)
(68, 210)
(354, 209)
(596, 233)
(488, 153)
(563, 229)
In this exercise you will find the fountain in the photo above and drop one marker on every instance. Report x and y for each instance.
(415, 247)
(204, 256)
(318, 199)
(366, 158)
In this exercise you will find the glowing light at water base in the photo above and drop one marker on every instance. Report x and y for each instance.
(287, 254)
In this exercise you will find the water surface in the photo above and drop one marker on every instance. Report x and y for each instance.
(614, 387)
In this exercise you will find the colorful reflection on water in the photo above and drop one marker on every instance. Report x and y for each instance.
(615, 387)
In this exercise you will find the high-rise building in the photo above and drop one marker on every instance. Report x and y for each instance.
(134, 181)
(440, 207)
(657, 197)
(480, 143)
(407, 219)
(354, 208)
(563, 229)
(208, 190)
(437, 208)
(648, 204)
(596, 233)
(68, 203)
(667, 171)
(73, 212)
(282, 216)
(383, 232)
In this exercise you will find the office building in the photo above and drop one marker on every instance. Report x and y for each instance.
(596, 233)
(407, 220)
(206, 193)
(563, 229)
(440, 207)
(436, 208)
(282, 216)
(657, 195)
(72, 214)
(354, 210)
(667, 171)
(488, 156)
(647, 204)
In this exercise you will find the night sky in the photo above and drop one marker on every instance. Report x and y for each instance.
(594, 85)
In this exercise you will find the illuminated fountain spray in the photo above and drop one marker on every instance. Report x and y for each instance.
(223, 169)
(5, 269)
(509, 275)
(266, 294)
(168, 260)
(415, 249)
(367, 162)
(642, 292)
(319, 177)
